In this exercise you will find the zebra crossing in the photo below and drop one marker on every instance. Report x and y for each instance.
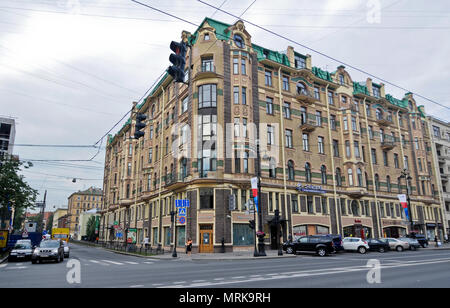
(105, 262)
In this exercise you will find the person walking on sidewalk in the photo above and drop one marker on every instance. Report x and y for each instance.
(436, 241)
(189, 247)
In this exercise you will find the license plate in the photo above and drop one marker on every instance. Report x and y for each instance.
(20, 256)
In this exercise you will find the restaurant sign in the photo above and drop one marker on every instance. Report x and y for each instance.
(310, 188)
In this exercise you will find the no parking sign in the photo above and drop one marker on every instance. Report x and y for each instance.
(182, 206)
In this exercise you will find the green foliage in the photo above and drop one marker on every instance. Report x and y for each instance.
(14, 191)
(90, 228)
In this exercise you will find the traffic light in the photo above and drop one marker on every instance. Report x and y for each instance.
(252, 224)
(178, 60)
(139, 125)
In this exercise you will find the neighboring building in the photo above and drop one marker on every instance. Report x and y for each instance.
(84, 218)
(80, 202)
(63, 221)
(45, 220)
(57, 215)
(441, 138)
(331, 151)
(7, 136)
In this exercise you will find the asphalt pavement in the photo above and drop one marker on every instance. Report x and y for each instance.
(102, 268)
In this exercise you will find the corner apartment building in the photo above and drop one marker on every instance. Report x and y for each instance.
(7, 136)
(441, 141)
(79, 202)
(331, 151)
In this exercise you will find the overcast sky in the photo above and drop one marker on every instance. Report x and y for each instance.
(69, 69)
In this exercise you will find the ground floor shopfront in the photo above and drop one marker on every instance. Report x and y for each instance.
(214, 224)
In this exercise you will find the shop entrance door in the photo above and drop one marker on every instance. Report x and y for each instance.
(206, 239)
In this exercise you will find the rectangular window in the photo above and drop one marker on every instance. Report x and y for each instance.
(185, 104)
(330, 98)
(347, 149)
(321, 145)
(244, 127)
(335, 148)
(269, 105)
(268, 78)
(300, 62)
(396, 164)
(333, 122)
(354, 125)
(270, 135)
(345, 123)
(318, 118)
(244, 96)
(356, 146)
(310, 205)
(294, 200)
(287, 110)
(206, 198)
(236, 95)
(316, 93)
(243, 67)
(385, 159)
(285, 83)
(374, 156)
(289, 138)
(370, 132)
(150, 155)
(207, 64)
(235, 66)
(207, 96)
(236, 127)
(305, 139)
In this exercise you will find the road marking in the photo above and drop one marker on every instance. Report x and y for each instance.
(178, 282)
(157, 284)
(113, 262)
(3, 265)
(308, 273)
(98, 262)
(238, 277)
(195, 281)
(148, 262)
(129, 262)
(219, 278)
(17, 267)
(137, 286)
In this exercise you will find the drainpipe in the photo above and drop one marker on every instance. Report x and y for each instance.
(330, 142)
(283, 154)
(380, 231)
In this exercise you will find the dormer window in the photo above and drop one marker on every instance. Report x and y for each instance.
(299, 62)
(206, 37)
(341, 79)
(376, 92)
(239, 41)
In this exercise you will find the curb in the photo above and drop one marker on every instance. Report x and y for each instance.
(2, 261)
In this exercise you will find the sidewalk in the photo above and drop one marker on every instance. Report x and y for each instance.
(236, 255)
(432, 246)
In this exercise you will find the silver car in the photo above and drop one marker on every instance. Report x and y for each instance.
(22, 250)
(396, 244)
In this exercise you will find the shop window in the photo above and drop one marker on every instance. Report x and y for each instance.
(206, 198)
(243, 235)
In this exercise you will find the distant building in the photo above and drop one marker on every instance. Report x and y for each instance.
(45, 220)
(63, 221)
(80, 202)
(84, 218)
(58, 214)
(7, 136)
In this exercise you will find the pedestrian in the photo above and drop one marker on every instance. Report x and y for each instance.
(189, 247)
(436, 240)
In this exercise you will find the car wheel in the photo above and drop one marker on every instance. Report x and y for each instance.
(362, 250)
(399, 248)
(321, 252)
(289, 250)
(381, 249)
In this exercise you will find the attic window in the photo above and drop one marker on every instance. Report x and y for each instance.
(266, 54)
(239, 41)
(206, 37)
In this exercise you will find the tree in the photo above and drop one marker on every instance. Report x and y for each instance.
(90, 228)
(14, 191)
(50, 224)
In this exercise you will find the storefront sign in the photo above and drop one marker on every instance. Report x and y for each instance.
(310, 188)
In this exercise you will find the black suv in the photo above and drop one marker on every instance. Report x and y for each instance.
(422, 239)
(48, 250)
(322, 245)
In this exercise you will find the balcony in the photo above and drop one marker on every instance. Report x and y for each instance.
(305, 96)
(387, 144)
(206, 71)
(356, 192)
(383, 121)
(308, 126)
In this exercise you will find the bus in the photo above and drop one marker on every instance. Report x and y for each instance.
(61, 234)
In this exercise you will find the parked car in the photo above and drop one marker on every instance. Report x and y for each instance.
(413, 243)
(66, 249)
(422, 239)
(48, 250)
(396, 244)
(22, 250)
(337, 241)
(322, 245)
(377, 245)
(355, 244)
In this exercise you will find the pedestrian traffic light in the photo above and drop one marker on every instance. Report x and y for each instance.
(178, 60)
(140, 117)
(252, 224)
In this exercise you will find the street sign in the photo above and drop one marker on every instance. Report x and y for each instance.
(182, 205)
(25, 233)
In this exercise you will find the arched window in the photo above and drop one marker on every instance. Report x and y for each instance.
(338, 177)
(359, 176)
(291, 172)
(388, 183)
(323, 172)
(377, 182)
(308, 175)
(379, 114)
(355, 208)
(301, 88)
(350, 176)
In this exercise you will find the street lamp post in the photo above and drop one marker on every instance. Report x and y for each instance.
(408, 178)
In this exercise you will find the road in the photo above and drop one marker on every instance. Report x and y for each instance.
(101, 268)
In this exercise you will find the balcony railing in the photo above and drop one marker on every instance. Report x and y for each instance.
(206, 70)
(305, 96)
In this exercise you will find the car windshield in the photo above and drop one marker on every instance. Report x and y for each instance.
(49, 244)
(22, 246)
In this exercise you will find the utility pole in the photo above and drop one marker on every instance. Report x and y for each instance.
(43, 211)
(408, 178)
